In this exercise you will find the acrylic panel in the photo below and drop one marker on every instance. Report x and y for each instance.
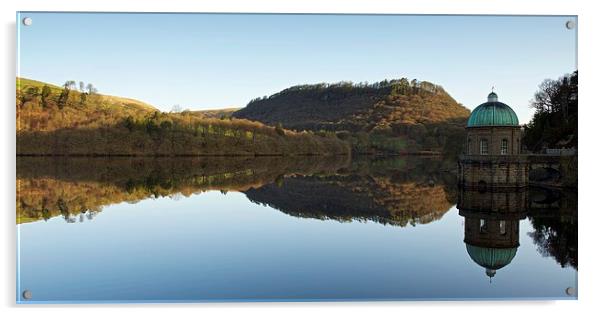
(192, 157)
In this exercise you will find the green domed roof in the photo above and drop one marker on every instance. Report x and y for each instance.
(491, 258)
(492, 113)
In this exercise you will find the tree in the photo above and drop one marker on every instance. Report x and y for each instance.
(554, 123)
(129, 123)
(279, 130)
(64, 96)
(81, 86)
(91, 89)
(544, 98)
(29, 94)
(44, 95)
(176, 108)
(82, 97)
(69, 84)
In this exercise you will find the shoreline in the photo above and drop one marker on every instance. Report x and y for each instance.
(376, 155)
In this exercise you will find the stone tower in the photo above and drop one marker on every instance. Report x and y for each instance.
(492, 152)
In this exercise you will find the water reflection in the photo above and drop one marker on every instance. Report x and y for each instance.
(491, 225)
(49, 187)
(385, 190)
(325, 219)
(553, 215)
(390, 191)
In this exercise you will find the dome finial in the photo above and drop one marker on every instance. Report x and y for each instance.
(490, 273)
(492, 97)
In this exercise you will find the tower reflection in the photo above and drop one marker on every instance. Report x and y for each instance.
(491, 226)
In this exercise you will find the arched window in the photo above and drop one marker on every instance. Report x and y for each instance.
(483, 226)
(484, 147)
(502, 227)
(504, 147)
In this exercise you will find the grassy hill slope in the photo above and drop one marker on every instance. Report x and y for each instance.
(64, 121)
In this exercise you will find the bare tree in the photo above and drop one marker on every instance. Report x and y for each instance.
(91, 89)
(544, 97)
(69, 84)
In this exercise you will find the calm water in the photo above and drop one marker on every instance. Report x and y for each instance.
(270, 229)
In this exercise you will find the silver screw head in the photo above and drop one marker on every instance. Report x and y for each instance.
(27, 21)
(27, 294)
(570, 24)
(570, 291)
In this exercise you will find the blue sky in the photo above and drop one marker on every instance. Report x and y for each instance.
(208, 61)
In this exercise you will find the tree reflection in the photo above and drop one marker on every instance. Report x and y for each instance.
(555, 226)
(385, 190)
(391, 191)
(67, 187)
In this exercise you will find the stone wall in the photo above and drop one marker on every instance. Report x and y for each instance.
(493, 171)
(494, 136)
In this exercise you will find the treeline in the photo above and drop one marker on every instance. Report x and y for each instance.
(388, 116)
(554, 124)
(61, 122)
(395, 86)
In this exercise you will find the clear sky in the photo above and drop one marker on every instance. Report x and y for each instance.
(208, 61)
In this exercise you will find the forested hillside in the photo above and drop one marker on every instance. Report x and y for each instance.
(392, 116)
(72, 120)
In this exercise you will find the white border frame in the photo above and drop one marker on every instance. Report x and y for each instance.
(589, 119)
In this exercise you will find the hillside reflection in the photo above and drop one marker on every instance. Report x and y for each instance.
(395, 191)
(385, 190)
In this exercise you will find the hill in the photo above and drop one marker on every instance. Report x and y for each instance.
(217, 113)
(397, 115)
(46, 107)
(54, 120)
